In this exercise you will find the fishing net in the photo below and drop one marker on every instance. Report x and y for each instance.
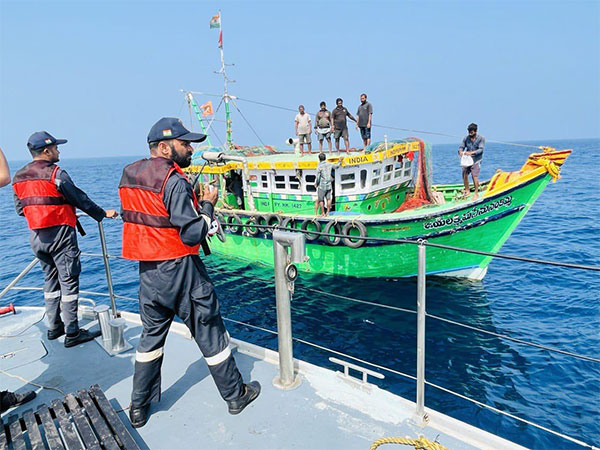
(237, 150)
(422, 180)
(380, 146)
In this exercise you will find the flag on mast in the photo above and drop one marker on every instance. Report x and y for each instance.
(215, 22)
(207, 109)
(221, 39)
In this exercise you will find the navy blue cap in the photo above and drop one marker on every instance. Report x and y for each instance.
(41, 139)
(172, 128)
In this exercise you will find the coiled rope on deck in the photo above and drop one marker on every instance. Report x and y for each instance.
(420, 443)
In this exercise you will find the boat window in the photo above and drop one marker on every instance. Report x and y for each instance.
(294, 183)
(279, 182)
(310, 183)
(264, 181)
(376, 177)
(363, 178)
(347, 181)
(388, 172)
(407, 168)
(398, 169)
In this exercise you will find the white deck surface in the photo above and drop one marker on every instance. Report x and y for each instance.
(324, 412)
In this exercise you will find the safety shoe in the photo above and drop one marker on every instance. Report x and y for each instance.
(12, 399)
(138, 416)
(81, 337)
(251, 391)
(56, 333)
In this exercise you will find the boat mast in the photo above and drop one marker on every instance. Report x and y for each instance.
(226, 96)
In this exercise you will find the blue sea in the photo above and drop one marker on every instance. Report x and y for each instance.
(552, 306)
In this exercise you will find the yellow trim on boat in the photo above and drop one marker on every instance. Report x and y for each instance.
(395, 150)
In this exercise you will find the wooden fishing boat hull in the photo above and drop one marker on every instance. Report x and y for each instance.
(483, 224)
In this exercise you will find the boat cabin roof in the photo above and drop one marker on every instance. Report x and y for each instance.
(289, 160)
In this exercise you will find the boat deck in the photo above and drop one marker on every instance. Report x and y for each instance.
(324, 412)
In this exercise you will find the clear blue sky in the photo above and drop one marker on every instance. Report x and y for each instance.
(101, 73)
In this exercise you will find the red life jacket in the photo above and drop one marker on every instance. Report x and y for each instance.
(43, 205)
(148, 235)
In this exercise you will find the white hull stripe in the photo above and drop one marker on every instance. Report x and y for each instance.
(149, 356)
(54, 294)
(69, 298)
(219, 357)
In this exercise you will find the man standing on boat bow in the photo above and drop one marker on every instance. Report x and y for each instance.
(471, 147)
(164, 225)
(47, 197)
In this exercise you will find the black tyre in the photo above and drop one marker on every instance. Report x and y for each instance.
(315, 224)
(233, 224)
(351, 241)
(332, 227)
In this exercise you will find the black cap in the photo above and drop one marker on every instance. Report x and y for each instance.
(472, 126)
(41, 139)
(172, 128)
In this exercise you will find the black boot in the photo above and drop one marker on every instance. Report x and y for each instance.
(81, 337)
(10, 399)
(251, 391)
(56, 333)
(138, 416)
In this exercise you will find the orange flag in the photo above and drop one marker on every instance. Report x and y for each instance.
(207, 109)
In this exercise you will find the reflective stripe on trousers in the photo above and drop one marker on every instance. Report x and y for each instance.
(181, 287)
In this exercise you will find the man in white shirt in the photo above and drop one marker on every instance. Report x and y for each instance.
(303, 129)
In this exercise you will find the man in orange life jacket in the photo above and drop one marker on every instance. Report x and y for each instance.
(47, 197)
(164, 226)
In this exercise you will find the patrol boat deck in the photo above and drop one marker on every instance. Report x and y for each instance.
(326, 411)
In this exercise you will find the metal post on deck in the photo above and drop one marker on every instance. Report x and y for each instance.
(111, 325)
(111, 293)
(421, 417)
(285, 275)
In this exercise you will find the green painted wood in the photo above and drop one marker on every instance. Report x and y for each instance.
(496, 218)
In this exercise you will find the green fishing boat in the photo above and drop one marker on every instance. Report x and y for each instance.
(382, 192)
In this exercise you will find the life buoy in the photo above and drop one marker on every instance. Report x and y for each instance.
(317, 225)
(252, 230)
(337, 229)
(362, 233)
(233, 224)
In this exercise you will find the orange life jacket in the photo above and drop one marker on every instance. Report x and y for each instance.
(148, 235)
(43, 205)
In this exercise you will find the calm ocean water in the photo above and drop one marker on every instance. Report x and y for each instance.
(547, 305)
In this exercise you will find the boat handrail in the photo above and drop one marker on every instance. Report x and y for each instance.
(421, 313)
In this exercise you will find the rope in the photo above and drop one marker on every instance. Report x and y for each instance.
(431, 244)
(249, 124)
(520, 341)
(5, 336)
(420, 443)
(410, 130)
(552, 169)
(31, 382)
